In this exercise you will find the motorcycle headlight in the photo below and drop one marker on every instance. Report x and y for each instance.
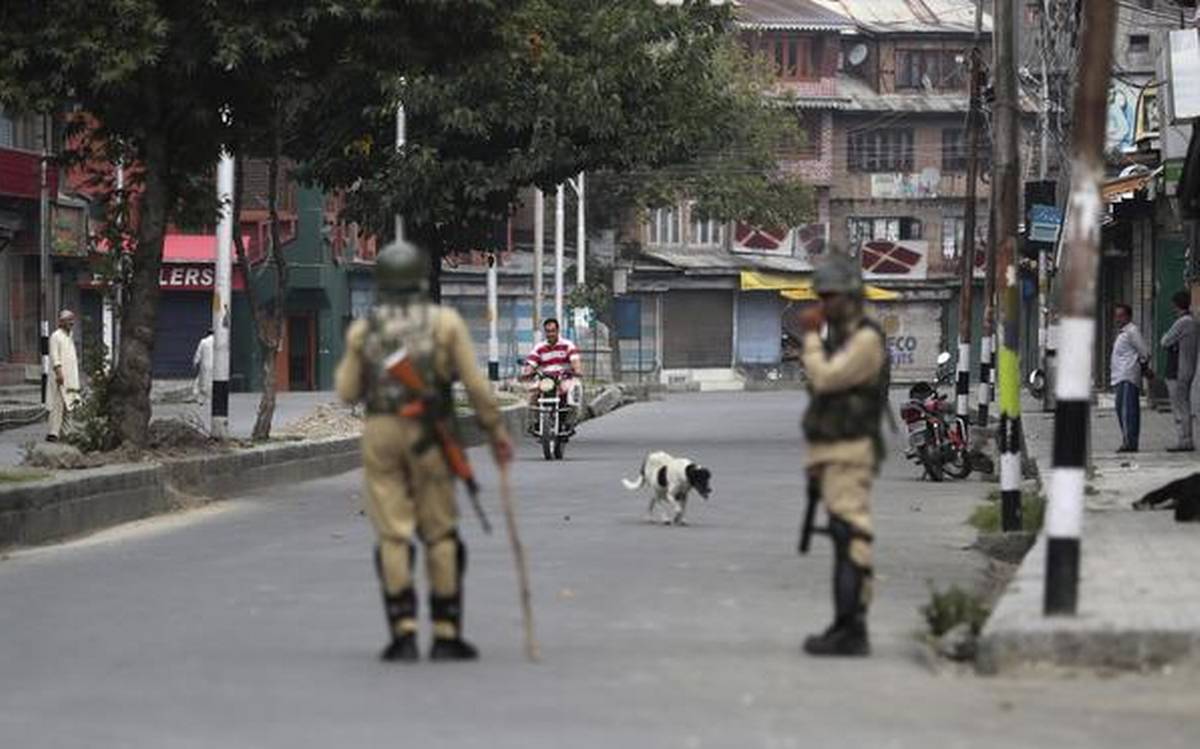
(546, 385)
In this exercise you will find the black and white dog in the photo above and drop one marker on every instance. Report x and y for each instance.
(1185, 493)
(673, 479)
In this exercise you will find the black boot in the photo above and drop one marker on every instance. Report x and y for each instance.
(848, 633)
(400, 612)
(844, 637)
(449, 610)
(456, 649)
(401, 649)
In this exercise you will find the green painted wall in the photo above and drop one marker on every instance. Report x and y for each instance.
(315, 286)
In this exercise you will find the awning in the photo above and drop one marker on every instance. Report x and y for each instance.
(1115, 190)
(798, 287)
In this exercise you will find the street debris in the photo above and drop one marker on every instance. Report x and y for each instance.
(326, 420)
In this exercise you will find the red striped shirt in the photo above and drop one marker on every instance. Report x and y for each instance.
(553, 359)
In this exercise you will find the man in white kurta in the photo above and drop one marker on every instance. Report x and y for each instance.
(202, 360)
(63, 387)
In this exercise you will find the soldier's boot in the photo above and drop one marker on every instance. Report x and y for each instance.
(446, 612)
(400, 611)
(847, 636)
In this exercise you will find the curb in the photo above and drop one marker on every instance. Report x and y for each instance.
(70, 504)
(1017, 636)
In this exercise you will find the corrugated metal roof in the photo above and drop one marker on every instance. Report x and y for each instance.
(698, 259)
(796, 15)
(910, 16)
(860, 97)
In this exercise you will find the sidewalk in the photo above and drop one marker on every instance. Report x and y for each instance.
(1139, 593)
(243, 409)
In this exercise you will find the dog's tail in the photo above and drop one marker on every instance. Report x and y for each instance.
(639, 482)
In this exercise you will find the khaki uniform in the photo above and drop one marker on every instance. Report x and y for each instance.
(846, 468)
(60, 399)
(410, 489)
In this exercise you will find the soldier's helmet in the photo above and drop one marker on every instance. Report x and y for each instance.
(838, 273)
(401, 272)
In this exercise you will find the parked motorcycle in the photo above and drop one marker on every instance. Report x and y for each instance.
(937, 438)
(550, 422)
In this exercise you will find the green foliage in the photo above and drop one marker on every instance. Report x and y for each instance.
(90, 427)
(21, 475)
(954, 606)
(986, 517)
(622, 89)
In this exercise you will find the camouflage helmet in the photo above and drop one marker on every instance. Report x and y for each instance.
(401, 271)
(838, 273)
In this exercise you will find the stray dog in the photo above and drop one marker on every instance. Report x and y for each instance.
(1185, 492)
(673, 479)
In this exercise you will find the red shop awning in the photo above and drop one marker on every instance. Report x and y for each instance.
(21, 174)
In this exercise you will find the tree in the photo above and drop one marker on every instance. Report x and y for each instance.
(157, 74)
(625, 86)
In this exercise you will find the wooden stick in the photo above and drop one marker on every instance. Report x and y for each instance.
(510, 517)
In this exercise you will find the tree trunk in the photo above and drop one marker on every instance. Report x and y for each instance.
(130, 414)
(266, 406)
(614, 343)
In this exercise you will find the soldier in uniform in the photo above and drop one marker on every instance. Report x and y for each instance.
(410, 487)
(848, 382)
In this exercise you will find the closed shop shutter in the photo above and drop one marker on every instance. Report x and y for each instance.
(697, 329)
(760, 327)
(914, 337)
(183, 319)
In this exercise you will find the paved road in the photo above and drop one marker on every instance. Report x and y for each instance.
(255, 623)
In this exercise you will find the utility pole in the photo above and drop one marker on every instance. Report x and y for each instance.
(987, 341)
(559, 248)
(47, 302)
(967, 259)
(401, 139)
(492, 313)
(1046, 331)
(1007, 118)
(580, 233)
(539, 251)
(219, 427)
(1064, 515)
(109, 333)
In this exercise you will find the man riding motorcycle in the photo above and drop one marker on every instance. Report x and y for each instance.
(554, 356)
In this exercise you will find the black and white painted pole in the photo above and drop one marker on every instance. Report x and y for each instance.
(45, 299)
(1077, 323)
(492, 312)
(962, 387)
(559, 247)
(539, 254)
(986, 347)
(219, 427)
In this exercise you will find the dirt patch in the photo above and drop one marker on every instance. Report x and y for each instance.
(326, 420)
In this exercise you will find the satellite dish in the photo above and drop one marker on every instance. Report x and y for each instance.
(858, 54)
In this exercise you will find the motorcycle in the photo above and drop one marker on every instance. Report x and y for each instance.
(550, 422)
(937, 438)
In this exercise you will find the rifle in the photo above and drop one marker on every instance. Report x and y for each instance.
(810, 515)
(429, 409)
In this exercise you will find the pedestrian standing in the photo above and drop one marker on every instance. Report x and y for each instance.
(847, 379)
(63, 389)
(409, 480)
(202, 362)
(1180, 344)
(1129, 363)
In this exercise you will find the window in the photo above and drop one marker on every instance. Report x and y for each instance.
(6, 129)
(954, 150)
(707, 233)
(805, 143)
(664, 226)
(944, 69)
(893, 229)
(952, 236)
(880, 150)
(795, 58)
(1139, 44)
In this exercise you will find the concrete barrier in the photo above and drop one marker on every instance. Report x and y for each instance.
(76, 502)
